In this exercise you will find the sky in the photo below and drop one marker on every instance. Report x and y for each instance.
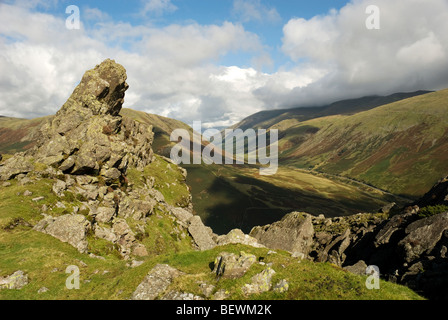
(219, 61)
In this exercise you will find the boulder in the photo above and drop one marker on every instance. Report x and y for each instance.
(15, 281)
(182, 215)
(70, 228)
(260, 283)
(104, 214)
(202, 235)
(422, 236)
(358, 268)
(156, 282)
(236, 236)
(229, 265)
(294, 233)
(396, 223)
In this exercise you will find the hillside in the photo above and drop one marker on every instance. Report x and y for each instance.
(228, 197)
(400, 147)
(90, 212)
(269, 118)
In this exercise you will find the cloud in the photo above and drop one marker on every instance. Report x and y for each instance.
(172, 71)
(409, 52)
(254, 10)
(177, 70)
(158, 7)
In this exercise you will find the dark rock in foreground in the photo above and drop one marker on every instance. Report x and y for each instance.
(407, 248)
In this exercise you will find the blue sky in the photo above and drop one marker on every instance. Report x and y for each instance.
(218, 61)
(210, 12)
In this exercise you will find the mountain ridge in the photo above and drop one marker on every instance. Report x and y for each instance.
(266, 118)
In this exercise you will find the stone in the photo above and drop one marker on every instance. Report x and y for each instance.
(336, 249)
(221, 294)
(15, 281)
(202, 235)
(135, 208)
(206, 288)
(294, 233)
(104, 214)
(182, 215)
(42, 290)
(281, 287)
(125, 237)
(358, 268)
(111, 174)
(423, 235)
(27, 193)
(59, 187)
(396, 223)
(135, 263)
(105, 233)
(231, 266)
(236, 236)
(260, 283)
(139, 250)
(156, 282)
(68, 228)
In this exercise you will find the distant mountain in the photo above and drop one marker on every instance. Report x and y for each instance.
(401, 147)
(268, 118)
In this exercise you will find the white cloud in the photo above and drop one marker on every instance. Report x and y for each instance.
(409, 52)
(169, 69)
(174, 70)
(254, 10)
(158, 7)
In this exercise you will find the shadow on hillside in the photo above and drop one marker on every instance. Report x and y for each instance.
(225, 203)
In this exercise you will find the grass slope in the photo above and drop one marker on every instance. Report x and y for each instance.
(45, 260)
(266, 119)
(400, 147)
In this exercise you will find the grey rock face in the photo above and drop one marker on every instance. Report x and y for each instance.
(15, 281)
(423, 235)
(229, 265)
(87, 135)
(202, 235)
(294, 233)
(67, 228)
(156, 282)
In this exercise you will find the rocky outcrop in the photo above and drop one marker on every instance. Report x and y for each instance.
(87, 135)
(90, 153)
(408, 248)
(293, 233)
(202, 235)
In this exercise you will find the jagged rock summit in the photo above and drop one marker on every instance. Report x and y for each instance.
(87, 135)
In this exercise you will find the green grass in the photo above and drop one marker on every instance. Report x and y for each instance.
(307, 280)
(429, 211)
(399, 147)
(44, 259)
